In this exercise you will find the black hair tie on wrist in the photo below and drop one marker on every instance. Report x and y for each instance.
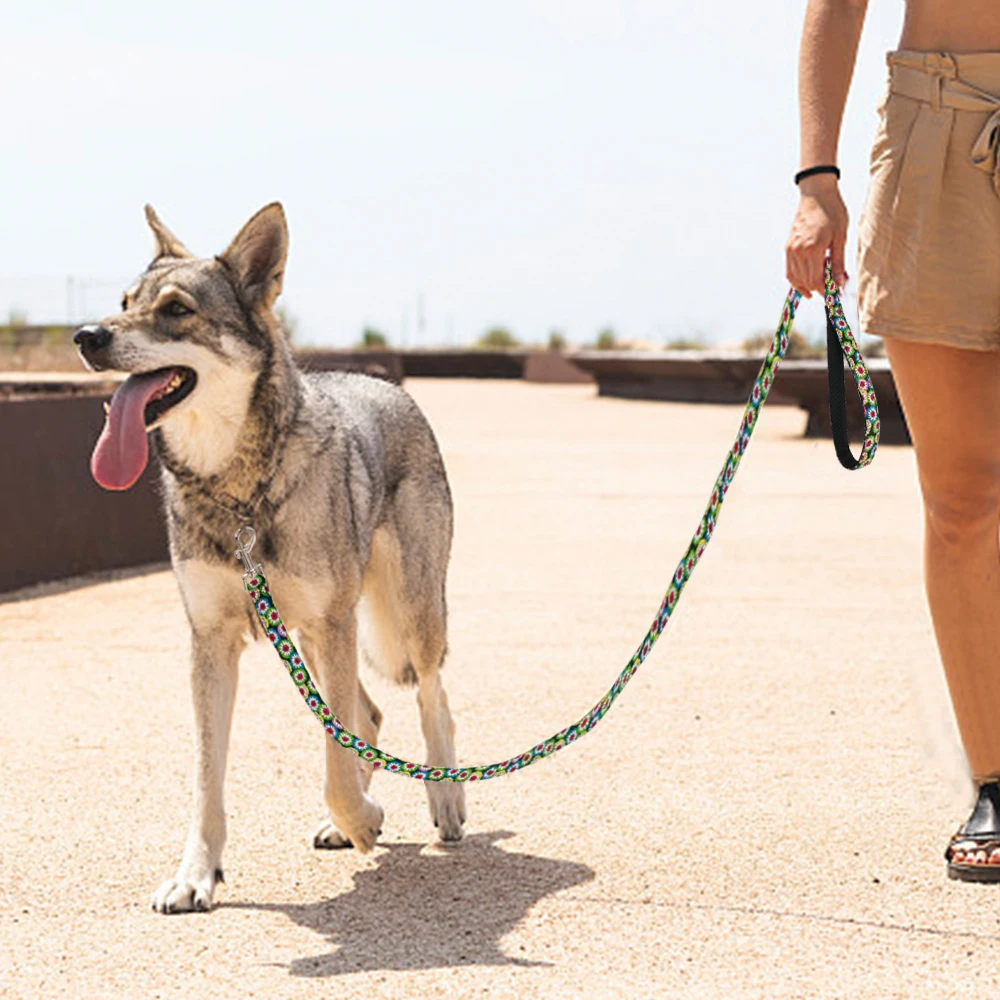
(824, 168)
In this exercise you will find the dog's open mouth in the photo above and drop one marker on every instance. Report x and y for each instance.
(122, 450)
(168, 395)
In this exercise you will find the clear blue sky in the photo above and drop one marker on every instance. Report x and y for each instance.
(534, 164)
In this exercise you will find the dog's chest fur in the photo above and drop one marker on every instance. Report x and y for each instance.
(330, 479)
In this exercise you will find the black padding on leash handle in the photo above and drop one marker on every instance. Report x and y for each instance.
(838, 395)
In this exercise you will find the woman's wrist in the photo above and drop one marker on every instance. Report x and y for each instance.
(818, 184)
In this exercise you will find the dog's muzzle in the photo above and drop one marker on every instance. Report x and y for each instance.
(92, 340)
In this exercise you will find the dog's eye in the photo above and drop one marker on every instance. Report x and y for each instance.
(177, 308)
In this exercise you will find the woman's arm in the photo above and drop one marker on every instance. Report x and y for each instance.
(829, 47)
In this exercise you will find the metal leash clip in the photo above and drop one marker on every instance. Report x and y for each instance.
(243, 551)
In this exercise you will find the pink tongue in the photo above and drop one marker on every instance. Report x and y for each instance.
(122, 451)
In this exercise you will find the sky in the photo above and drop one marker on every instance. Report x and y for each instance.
(444, 167)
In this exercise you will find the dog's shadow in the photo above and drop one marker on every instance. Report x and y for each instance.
(417, 910)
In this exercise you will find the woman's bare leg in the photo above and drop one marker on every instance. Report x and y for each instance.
(951, 400)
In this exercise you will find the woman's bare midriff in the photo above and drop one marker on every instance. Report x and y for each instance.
(952, 26)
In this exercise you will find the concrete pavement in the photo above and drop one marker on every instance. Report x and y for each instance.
(762, 814)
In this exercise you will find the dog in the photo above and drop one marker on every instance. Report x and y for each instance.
(341, 477)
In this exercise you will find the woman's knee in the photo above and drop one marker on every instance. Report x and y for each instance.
(963, 508)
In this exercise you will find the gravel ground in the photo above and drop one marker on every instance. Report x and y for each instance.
(763, 813)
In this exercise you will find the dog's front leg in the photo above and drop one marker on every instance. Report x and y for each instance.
(356, 818)
(215, 658)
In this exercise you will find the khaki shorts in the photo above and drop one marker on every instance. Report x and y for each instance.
(929, 235)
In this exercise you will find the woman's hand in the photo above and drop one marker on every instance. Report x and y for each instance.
(820, 225)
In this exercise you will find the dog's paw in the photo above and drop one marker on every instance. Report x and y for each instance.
(359, 829)
(329, 838)
(447, 802)
(186, 893)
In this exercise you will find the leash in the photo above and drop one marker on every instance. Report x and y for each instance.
(840, 344)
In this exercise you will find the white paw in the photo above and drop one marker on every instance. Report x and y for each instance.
(359, 830)
(186, 893)
(329, 838)
(447, 802)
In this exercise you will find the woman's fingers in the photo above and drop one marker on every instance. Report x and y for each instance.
(813, 260)
(797, 268)
(792, 271)
(804, 266)
(804, 258)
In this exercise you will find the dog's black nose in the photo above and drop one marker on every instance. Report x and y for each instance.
(92, 337)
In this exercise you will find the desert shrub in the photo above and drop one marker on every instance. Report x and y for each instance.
(686, 344)
(758, 343)
(373, 340)
(557, 342)
(497, 338)
(799, 346)
(606, 339)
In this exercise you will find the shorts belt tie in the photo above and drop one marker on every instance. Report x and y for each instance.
(986, 149)
(934, 81)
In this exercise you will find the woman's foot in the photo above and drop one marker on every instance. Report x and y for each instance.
(973, 854)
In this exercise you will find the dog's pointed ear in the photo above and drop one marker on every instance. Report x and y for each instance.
(257, 255)
(165, 244)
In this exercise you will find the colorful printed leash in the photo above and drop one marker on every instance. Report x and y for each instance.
(256, 583)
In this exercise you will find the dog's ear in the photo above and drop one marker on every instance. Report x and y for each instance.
(257, 255)
(165, 244)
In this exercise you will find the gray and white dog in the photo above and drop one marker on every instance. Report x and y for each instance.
(342, 479)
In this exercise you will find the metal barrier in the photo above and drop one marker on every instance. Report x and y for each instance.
(57, 521)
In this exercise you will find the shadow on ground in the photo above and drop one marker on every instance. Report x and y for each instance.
(53, 588)
(419, 910)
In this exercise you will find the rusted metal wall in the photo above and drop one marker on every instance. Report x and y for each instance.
(553, 367)
(379, 364)
(462, 364)
(55, 521)
(703, 377)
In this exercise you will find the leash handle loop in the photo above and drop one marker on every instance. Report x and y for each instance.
(840, 345)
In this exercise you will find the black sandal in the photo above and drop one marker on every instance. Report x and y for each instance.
(973, 854)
